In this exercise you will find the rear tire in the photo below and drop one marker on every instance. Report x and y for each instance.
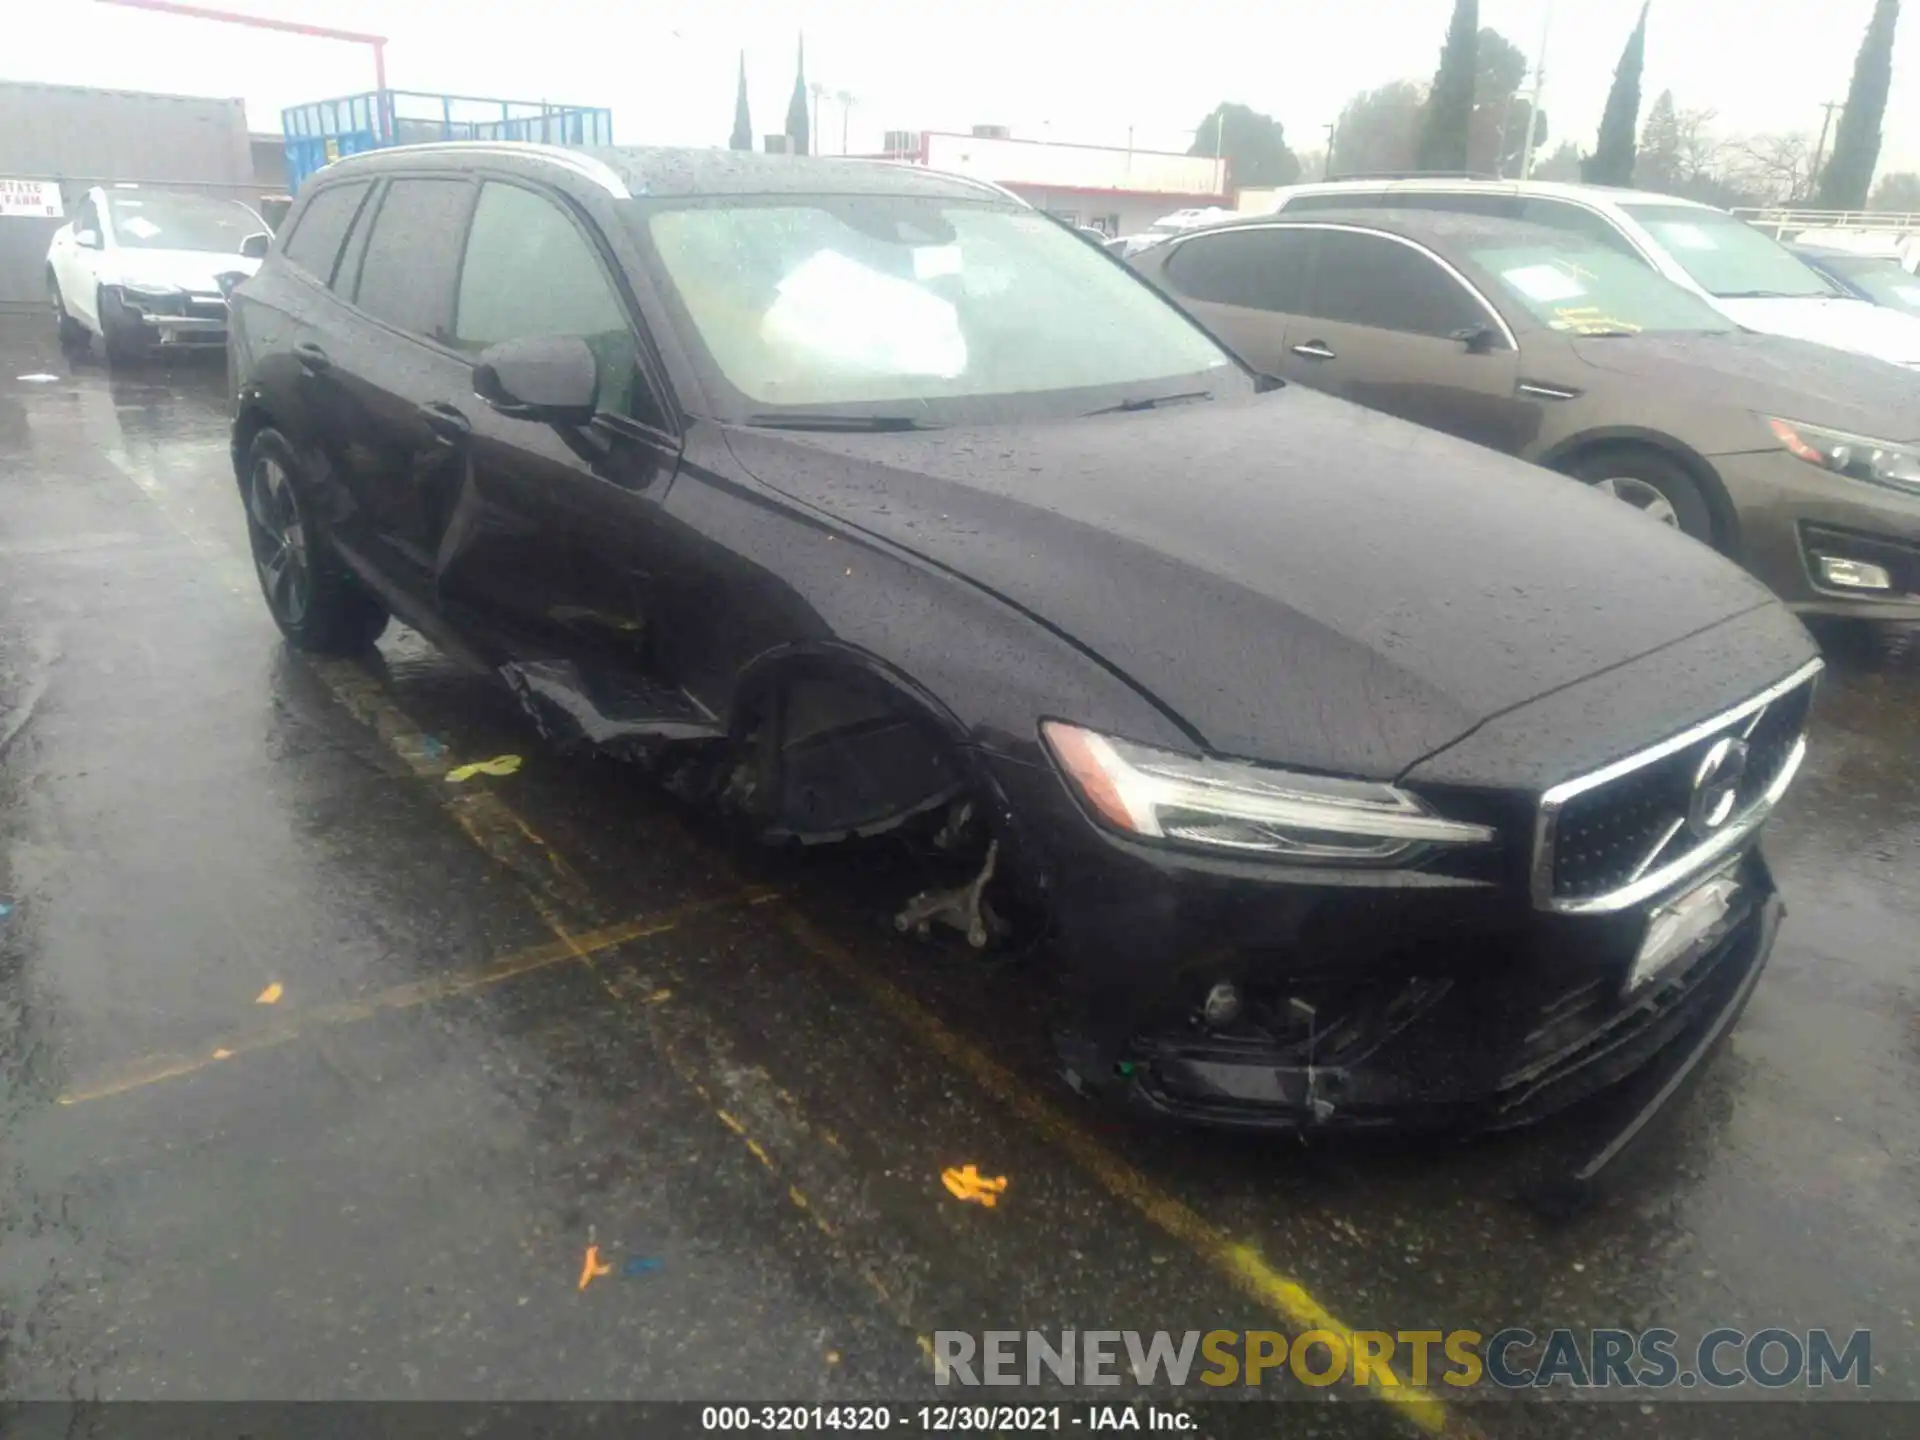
(313, 597)
(1656, 484)
(73, 335)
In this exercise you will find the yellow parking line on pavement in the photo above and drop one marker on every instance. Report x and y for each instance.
(1239, 1262)
(400, 997)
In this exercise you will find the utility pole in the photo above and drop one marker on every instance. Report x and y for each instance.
(816, 89)
(1539, 81)
(1820, 149)
(1220, 134)
(1326, 166)
(846, 99)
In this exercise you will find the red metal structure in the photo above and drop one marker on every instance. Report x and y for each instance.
(261, 22)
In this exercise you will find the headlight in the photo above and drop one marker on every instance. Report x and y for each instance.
(1884, 462)
(155, 299)
(1251, 809)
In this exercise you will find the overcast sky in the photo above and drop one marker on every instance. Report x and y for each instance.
(1058, 69)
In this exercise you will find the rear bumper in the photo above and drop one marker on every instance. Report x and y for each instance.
(1792, 514)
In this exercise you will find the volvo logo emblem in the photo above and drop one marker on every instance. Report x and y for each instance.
(1716, 786)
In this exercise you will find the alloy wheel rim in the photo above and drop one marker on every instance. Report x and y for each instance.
(279, 542)
(1645, 498)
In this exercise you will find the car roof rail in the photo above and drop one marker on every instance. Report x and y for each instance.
(1416, 175)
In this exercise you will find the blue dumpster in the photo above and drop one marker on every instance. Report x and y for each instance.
(324, 130)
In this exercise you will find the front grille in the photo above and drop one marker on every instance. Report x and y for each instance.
(1607, 840)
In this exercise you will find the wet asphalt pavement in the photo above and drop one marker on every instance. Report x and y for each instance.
(319, 1073)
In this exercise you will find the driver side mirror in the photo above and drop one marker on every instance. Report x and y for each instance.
(256, 245)
(1478, 339)
(87, 239)
(551, 378)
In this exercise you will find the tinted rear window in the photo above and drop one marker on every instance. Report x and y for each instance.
(1255, 269)
(406, 276)
(315, 241)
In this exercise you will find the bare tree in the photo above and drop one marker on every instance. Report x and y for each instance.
(1777, 168)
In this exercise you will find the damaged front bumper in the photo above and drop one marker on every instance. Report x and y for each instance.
(1369, 1001)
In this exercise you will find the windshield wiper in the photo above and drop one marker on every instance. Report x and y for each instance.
(1152, 402)
(1772, 295)
(871, 423)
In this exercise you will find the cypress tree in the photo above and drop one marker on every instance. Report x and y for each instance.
(1856, 143)
(1449, 112)
(797, 106)
(1612, 160)
(742, 137)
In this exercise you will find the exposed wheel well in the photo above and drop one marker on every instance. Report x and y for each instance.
(1726, 522)
(832, 749)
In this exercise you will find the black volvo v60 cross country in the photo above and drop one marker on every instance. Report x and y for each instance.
(1356, 774)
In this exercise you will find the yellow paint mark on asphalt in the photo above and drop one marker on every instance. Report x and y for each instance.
(271, 995)
(1239, 1262)
(658, 997)
(966, 1183)
(399, 997)
(732, 1124)
(499, 765)
(794, 1195)
(593, 1267)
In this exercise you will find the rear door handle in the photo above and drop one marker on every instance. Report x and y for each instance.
(1315, 350)
(312, 358)
(447, 423)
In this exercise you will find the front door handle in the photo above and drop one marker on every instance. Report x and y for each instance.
(1315, 350)
(312, 358)
(449, 426)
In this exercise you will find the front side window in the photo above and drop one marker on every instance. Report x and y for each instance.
(1254, 269)
(530, 272)
(1587, 290)
(314, 244)
(1726, 257)
(151, 220)
(406, 273)
(1360, 279)
(948, 309)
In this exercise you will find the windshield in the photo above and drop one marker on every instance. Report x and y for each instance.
(1727, 257)
(1594, 291)
(182, 222)
(941, 310)
(1882, 280)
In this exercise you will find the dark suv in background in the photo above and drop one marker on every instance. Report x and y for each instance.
(1355, 774)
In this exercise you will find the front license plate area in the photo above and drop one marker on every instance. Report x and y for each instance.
(1676, 928)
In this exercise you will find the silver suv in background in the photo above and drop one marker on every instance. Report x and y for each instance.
(1752, 279)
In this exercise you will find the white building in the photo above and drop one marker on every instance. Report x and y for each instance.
(1114, 189)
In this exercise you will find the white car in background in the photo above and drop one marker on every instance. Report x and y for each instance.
(1744, 274)
(150, 269)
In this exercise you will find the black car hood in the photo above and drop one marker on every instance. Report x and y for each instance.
(1294, 578)
(1795, 379)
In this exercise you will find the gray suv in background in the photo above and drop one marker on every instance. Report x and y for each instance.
(1799, 460)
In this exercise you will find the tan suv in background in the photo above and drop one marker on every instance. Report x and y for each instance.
(1799, 460)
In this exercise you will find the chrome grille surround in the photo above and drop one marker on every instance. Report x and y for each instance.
(1639, 800)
